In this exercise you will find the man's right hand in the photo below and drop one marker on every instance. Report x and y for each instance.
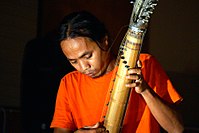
(97, 128)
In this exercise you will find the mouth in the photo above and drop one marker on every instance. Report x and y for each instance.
(90, 73)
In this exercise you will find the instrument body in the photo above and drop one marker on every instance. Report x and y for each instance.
(120, 93)
(127, 58)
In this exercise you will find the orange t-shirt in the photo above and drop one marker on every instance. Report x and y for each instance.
(80, 99)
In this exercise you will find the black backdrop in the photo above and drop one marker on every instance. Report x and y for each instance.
(43, 67)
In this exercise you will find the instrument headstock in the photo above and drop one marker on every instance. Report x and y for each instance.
(142, 10)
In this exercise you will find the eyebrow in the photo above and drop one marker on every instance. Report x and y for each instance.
(84, 54)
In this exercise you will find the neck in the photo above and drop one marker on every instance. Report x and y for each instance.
(111, 64)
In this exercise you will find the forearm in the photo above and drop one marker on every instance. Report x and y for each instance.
(97, 128)
(62, 130)
(166, 116)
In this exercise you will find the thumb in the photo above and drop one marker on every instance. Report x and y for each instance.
(93, 127)
(139, 64)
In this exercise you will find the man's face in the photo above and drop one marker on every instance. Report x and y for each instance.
(85, 56)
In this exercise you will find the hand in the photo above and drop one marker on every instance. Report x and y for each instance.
(135, 74)
(97, 128)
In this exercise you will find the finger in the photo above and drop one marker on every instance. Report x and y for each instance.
(131, 85)
(136, 80)
(92, 127)
(139, 78)
(139, 64)
(96, 125)
(100, 130)
(134, 71)
(133, 77)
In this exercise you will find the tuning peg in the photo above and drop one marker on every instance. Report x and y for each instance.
(132, 1)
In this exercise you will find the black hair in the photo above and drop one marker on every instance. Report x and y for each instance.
(82, 24)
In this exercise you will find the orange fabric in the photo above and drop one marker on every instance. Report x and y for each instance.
(80, 99)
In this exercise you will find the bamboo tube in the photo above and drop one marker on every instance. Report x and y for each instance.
(119, 98)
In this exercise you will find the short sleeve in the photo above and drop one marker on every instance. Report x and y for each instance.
(158, 80)
(62, 115)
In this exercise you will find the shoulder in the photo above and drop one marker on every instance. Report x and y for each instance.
(147, 58)
(72, 76)
(70, 81)
(75, 77)
(73, 73)
(150, 65)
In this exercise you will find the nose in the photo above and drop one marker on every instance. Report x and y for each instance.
(83, 65)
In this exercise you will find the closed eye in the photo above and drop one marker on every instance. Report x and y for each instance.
(73, 61)
(88, 56)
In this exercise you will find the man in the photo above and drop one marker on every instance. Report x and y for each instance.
(82, 93)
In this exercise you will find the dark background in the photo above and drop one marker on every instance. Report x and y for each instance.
(32, 63)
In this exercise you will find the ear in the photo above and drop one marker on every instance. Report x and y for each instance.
(105, 43)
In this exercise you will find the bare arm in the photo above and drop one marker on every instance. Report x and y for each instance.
(166, 116)
(88, 129)
(62, 130)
